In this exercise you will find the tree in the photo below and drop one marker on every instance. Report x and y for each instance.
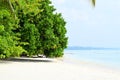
(33, 28)
(6, 4)
(41, 28)
(51, 26)
(93, 2)
(9, 4)
(8, 39)
(26, 12)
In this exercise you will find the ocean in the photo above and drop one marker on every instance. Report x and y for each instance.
(108, 58)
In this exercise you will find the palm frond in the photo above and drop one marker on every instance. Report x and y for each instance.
(93, 2)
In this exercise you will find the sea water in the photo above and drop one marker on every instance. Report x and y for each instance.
(109, 58)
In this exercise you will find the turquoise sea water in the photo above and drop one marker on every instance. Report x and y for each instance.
(109, 58)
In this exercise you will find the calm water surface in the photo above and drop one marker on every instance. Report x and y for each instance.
(105, 57)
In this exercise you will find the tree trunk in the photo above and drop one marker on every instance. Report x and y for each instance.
(7, 4)
(10, 6)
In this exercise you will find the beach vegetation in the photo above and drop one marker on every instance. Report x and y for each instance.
(31, 27)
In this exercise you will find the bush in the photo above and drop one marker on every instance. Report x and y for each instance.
(37, 29)
(8, 43)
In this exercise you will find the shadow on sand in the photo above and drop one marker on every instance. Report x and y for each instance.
(25, 59)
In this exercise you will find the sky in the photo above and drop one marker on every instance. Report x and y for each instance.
(89, 26)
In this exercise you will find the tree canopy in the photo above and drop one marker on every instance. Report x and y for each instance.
(34, 29)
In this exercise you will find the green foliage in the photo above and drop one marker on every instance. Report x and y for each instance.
(4, 5)
(37, 29)
(52, 29)
(26, 12)
(8, 42)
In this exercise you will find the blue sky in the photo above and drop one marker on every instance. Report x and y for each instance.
(88, 26)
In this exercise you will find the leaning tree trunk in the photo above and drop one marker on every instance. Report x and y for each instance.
(8, 5)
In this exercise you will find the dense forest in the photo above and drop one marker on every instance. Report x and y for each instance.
(31, 27)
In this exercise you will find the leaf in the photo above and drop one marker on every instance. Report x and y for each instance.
(93, 2)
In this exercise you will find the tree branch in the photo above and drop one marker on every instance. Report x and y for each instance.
(11, 8)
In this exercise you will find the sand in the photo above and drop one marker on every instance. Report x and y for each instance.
(54, 69)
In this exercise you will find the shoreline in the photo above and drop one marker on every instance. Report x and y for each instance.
(77, 61)
(55, 69)
(96, 58)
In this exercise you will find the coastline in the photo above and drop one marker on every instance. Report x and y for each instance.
(55, 69)
(105, 58)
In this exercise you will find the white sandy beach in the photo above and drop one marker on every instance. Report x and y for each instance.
(55, 70)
